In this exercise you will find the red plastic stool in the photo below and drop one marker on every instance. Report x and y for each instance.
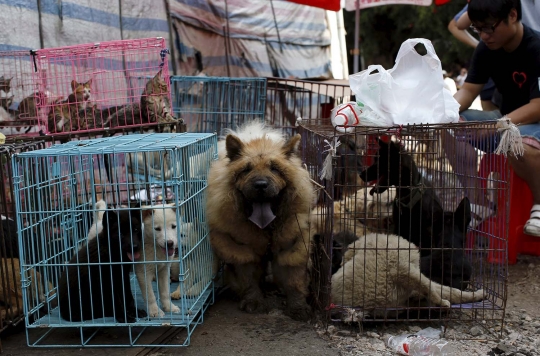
(520, 204)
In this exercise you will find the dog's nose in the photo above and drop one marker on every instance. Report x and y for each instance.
(170, 244)
(260, 184)
(135, 247)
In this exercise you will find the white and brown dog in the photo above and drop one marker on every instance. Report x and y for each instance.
(160, 242)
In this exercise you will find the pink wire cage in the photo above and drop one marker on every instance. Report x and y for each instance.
(18, 95)
(97, 86)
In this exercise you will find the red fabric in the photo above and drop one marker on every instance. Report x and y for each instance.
(441, 2)
(333, 5)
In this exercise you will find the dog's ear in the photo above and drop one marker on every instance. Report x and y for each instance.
(462, 215)
(146, 213)
(382, 143)
(234, 147)
(74, 84)
(173, 206)
(291, 146)
(110, 218)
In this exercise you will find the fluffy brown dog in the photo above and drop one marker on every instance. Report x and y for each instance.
(259, 199)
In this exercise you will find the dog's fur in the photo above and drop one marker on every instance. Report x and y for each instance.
(447, 263)
(97, 224)
(257, 165)
(11, 289)
(417, 212)
(383, 271)
(197, 276)
(97, 291)
(160, 242)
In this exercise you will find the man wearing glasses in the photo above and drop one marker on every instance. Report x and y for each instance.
(509, 53)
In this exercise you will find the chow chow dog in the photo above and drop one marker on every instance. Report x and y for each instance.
(160, 242)
(383, 271)
(258, 202)
(100, 286)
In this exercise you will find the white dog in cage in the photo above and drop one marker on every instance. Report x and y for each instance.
(382, 271)
(160, 242)
(197, 273)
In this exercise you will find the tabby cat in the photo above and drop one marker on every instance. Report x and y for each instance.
(155, 104)
(64, 115)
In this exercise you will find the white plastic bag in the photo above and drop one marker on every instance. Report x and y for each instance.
(412, 92)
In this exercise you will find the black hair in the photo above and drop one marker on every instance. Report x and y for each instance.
(482, 10)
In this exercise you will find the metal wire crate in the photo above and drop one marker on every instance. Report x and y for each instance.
(350, 210)
(211, 104)
(11, 308)
(289, 99)
(69, 200)
(114, 84)
(19, 95)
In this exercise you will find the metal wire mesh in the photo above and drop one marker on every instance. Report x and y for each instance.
(19, 95)
(114, 84)
(397, 164)
(289, 99)
(11, 308)
(211, 104)
(90, 212)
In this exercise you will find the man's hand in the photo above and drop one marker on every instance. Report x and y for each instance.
(466, 95)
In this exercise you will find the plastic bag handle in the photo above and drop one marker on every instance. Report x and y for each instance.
(409, 44)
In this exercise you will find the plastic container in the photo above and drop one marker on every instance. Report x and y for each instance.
(415, 345)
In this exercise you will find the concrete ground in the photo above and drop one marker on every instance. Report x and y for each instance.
(228, 331)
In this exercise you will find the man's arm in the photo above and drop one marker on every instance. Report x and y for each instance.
(464, 22)
(461, 34)
(527, 114)
(466, 95)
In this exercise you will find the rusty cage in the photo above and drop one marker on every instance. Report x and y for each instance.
(11, 306)
(453, 210)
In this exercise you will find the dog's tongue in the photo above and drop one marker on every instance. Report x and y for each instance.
(136, 255)
(262, 214)
(169, 251)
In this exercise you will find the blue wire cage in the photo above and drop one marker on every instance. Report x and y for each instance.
(89, 209)
(211, 104)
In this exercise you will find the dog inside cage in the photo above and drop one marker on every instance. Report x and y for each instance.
(115, 227)
(401, 236)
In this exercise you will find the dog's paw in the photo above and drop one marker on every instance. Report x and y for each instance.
(445, 303)
(253, 305)
(300, 312)
(141, 313)
(175, 309)
(154, 311)
(176, 294)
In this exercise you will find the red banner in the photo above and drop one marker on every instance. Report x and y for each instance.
(333, 5)
(350, 5)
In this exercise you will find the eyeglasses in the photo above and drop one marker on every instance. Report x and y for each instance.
(488, 30)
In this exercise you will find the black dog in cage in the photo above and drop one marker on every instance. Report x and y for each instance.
(96, 282)
(418, 216)
(417, 211)
(447, 263)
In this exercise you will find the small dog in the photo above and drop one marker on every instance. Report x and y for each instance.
(160, 242)
(383, 271)
(447, 263)
(417, 213)
(197, 276)
(96, 283)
